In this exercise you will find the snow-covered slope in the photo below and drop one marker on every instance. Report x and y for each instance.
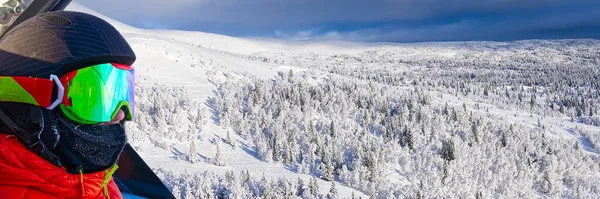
(498, 102)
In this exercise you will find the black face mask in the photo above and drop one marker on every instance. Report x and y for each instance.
(88, 148)
(59, 140)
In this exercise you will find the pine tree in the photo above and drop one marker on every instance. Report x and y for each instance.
(288, 156)
(332, 129)
(344, 174)
(188, 192)
(209, 192)
(275, 146)
(229, 177)
(503, 140)
(300, 188)
(578, 111)
(199, 122)
(454, 115)
(333, 192)
(225, 121)
(474, 130)
(532, 101)
(479, 195)
(407, 138)
(445, 111)
(218, 160)
(192, 156)
(229, 140)
(314, 186)
(266, 193)
(448, 150)
(246, 178)
(327, 170)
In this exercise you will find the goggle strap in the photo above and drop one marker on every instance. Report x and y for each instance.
(29, 90)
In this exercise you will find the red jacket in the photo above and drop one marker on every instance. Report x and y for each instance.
(23, 174)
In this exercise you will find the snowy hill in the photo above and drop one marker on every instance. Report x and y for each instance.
(251, 117)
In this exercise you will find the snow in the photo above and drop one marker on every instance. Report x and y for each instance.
(206, 66)
(324, 46)
(175, 64)
(212, 41)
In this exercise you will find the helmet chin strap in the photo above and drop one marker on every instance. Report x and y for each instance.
(32, 141)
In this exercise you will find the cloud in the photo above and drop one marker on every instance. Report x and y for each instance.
(374, 20)
(585, 23)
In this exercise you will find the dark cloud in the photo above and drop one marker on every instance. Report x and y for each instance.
(373, 20)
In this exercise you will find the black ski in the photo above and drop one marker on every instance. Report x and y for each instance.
(136, 178)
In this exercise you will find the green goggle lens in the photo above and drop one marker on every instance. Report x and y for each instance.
(95, 94)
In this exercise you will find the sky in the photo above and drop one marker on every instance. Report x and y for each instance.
(365, 20)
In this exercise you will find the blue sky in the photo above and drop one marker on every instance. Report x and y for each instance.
(365, 20)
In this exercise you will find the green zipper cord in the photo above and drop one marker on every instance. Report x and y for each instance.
(81, 181)
(108, 173)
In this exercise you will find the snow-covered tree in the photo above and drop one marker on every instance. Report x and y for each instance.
(333, 192)
(300, 187)
(465, 110)
(193, 157)
(218, 160)
(313, 186)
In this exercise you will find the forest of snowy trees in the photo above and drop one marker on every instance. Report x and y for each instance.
(241, 185)
(395, 124)
(361, 133)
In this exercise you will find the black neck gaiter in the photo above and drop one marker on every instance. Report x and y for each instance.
(88, 148)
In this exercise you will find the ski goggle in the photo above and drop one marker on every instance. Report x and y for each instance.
(90, 95)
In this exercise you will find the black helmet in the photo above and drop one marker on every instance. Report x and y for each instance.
(60, 42)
